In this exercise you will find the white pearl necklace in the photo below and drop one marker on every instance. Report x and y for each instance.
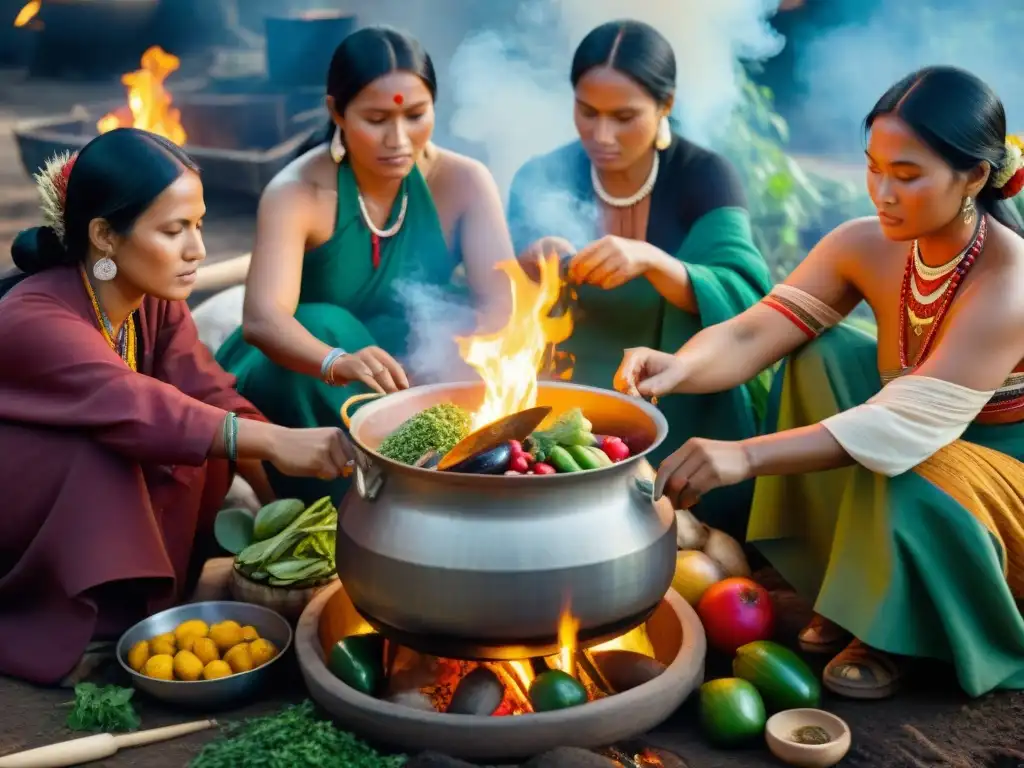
(636, 197)
(393, 229)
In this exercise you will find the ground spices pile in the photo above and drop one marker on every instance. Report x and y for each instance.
(293, 738)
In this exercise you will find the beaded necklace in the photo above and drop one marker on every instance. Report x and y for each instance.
(925, 298)
(125, 344)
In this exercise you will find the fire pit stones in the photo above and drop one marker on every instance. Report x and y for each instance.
(675, 633)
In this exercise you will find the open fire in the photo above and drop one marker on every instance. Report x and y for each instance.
(149, 103)
(510, 359)
(28, 12)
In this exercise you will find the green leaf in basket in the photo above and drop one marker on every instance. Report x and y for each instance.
(232, 528)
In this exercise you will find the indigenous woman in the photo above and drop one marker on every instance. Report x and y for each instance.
(668, 249)
(119, 433)
(893, 492)
(340, 228)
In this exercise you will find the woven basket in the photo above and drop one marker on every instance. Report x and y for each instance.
(287, 601)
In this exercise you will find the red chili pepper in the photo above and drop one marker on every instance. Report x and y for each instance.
(540, 468)
(516, 447)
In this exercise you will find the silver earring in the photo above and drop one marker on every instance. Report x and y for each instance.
(664, 135)
(337, 148)
(105, 269)
(968, 210)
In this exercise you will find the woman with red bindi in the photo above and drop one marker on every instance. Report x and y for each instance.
(375, 204)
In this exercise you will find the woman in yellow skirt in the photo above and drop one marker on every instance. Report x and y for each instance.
(890, 483)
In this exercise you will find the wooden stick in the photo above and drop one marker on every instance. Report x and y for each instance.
(97, 747)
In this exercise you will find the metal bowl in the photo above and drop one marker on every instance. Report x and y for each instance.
(208, 694)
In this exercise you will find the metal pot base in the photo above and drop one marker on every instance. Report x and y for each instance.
(511, 650)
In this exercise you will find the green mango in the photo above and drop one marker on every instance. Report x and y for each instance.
(275, 517)
(233, 529)
(556, 690)
(781, 677)
(731, 712)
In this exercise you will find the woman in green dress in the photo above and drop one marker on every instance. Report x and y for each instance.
(659, 229)
(342, 229)
(892, 492)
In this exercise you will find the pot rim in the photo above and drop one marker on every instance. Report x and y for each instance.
(455, 478)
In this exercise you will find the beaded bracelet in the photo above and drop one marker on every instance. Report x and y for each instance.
(327, 366)
(231, 437)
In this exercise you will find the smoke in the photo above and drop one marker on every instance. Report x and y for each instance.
(842, 71)
(511, 86)
(513, 101)
(435, 317)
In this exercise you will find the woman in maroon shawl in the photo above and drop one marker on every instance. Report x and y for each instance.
(118, 431)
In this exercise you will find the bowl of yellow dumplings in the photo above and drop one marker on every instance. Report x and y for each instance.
(205, 655)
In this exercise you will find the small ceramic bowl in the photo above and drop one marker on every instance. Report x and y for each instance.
(778, 732)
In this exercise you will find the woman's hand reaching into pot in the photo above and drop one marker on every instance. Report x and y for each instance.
(373, 367)
(701, 466)
(646, 372)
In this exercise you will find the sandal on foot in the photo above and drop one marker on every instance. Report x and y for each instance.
(861, 672)
(822, 636)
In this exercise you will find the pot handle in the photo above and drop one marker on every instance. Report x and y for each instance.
(369, 478)
(346, 417)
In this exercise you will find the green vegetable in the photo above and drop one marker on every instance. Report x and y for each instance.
(438, 428)
(561, 459)
(301, 553)
(780, 676)
(731, 712)
(570, 428)
(275, 517)
(556, 690)
(103, 710)
(358, 661)
(587, 457)
(233, 529)
(293, 738)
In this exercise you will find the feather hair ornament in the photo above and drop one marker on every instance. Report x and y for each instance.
(52, 184)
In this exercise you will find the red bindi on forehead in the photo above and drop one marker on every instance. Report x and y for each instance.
(399, 99)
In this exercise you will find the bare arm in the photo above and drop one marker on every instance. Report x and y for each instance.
(726, 355)
(485, 242)
(275, 276)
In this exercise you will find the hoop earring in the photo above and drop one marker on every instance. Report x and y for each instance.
(105, 269)
(968, 210)
(337, 148)
(663, 138)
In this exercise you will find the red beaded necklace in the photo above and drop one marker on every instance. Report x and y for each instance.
(917, 313)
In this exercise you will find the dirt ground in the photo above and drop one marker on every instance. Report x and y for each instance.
(931, 724)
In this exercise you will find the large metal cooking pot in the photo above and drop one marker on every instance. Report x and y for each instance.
(482, 566)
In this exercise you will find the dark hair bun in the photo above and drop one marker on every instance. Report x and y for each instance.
(37, 249)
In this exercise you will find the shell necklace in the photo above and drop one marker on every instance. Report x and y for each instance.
(636, 197)
(375, 233)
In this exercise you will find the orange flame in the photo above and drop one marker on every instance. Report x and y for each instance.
(149, 103)
(568, 626)
(509, 359)
(27, 13)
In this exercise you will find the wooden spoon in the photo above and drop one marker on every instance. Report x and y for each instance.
(97, 747)
(518, 426)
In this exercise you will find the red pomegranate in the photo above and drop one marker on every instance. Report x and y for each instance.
(735, 612)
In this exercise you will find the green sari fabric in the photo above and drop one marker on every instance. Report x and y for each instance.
(896, 561)
(345, 302)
